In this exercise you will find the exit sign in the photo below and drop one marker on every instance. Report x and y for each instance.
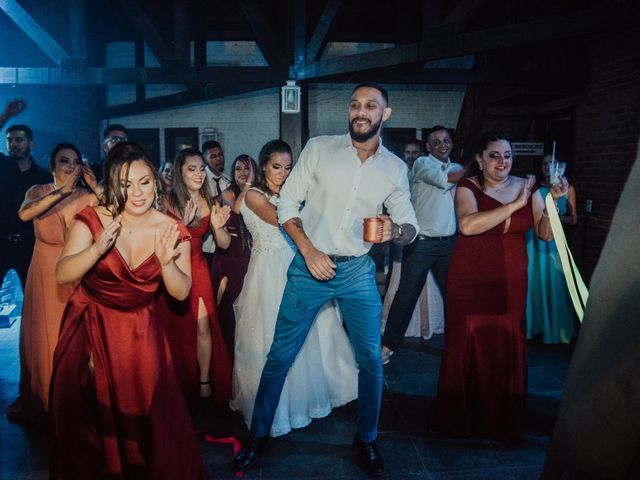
(527, 148)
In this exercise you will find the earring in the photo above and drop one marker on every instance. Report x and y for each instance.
(481, 168)
(155, 198)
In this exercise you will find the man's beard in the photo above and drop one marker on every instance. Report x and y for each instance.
(363, 137)
(19, 154)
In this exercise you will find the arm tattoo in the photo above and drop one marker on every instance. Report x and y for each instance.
(408, 233)
(296, 223)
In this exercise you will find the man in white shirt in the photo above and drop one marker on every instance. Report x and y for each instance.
(412, 150)
(218, 182)
(342, 180)
(432, 179)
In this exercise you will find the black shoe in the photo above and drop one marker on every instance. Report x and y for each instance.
(370, 458)
(248, 453)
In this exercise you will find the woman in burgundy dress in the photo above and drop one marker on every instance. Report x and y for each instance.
(192, 326)
(483, 377)
(116, 406)
(232, 261)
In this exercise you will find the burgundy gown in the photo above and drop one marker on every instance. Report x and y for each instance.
(128, 419)
(179, 319)
(232, 263)
(483, 376)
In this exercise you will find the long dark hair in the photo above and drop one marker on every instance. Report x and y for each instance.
(481, 145)
(179, 194)
(56, 150)
(247, 160)
(269, 148)
(120, 157)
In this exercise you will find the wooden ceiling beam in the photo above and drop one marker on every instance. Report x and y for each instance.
(269, 45)
(140, 75)
(188, 97)
(145, 28)
(441, 45)
(319, 37)
(36, 32)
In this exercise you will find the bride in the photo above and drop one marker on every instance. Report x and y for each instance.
(324, 374)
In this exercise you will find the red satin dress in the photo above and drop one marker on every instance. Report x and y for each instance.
(127, 419)
(180, 323)
(483, 376)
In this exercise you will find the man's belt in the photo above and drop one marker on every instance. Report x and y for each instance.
(342, 258)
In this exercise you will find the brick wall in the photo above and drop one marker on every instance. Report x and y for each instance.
(607, 129)
(413, 107)
(244, 123)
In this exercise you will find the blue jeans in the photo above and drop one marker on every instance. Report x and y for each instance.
(354, 288)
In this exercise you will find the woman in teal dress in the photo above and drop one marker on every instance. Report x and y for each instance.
(549, 308)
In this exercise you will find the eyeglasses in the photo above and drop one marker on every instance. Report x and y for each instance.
(115, 139)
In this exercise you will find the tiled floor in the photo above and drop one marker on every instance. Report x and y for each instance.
(323, 450)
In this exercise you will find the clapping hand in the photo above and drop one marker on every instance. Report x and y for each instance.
(166, 244)
(190, 210)
(220, 216)
(89, 177)
(525, 192)
(108, 236)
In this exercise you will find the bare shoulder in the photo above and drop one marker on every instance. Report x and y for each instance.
(103, 213)
(255, 196)
(228, 197)
(161, 220)
(473, 180)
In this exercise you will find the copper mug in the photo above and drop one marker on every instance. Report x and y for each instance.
(372, 231)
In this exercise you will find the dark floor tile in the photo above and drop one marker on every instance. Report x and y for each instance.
(541, 379)
(499, 473)
(323, 450)
(446, 454)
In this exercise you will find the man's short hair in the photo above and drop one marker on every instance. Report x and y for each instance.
(210, 144)
(413, 141)
(19, 127)
(436, 128)
(377, 86)
(114, 127)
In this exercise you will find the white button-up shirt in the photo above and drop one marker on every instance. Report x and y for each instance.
(339, 192)
(209, 244)
(431, 195)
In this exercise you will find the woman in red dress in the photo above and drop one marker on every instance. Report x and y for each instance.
(116, 406)
(192, 326)
(483, 377)
(232, 259)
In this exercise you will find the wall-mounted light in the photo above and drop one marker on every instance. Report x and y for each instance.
(291, 97)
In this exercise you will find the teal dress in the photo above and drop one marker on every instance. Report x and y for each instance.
(549, 308)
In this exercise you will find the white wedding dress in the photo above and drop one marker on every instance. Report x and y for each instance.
(324, 374)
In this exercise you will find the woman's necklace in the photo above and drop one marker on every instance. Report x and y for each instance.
(500, 186)
(129, 230)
